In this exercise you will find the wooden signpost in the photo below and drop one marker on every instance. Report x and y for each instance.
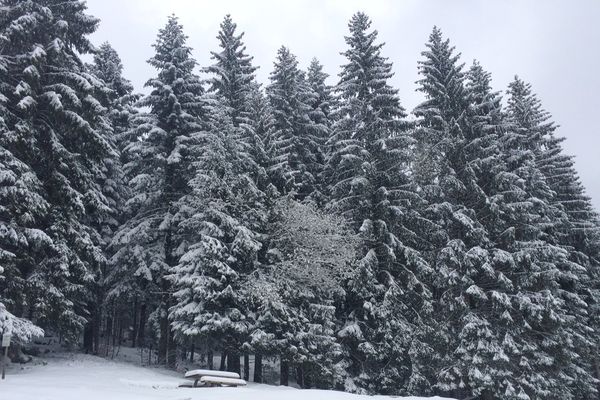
(5, 343)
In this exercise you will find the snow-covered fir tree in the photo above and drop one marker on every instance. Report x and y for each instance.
(56, 153)
(233, 72)
(120, 98)
(236, 134)
(149, 244)
(221, 245)
(571, 223)
(453, 160)
(497, 279)
(369, 185)
(294, 143)
(322, 104)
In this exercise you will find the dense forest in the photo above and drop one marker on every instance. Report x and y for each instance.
(449, 250)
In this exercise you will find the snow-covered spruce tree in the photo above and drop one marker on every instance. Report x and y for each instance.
(120, 98)
(149, 244)
(496, 278)
(261, 124)
(572, 225)
(233, 81)
(233, 72)
(56, 131)
(455, 156)
(294, 142)
(369, 185)
(322, 104)
(221, 244)
(116, 95)
(235, 91)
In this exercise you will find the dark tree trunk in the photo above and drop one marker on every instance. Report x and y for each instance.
(308, 378)
(96, 328)
(233, 362)
(223, 358)
(284, 372)
(134, 333)
(142, 327)
(109, 328)
(209, 357)
(300, 376)
(114, 328)
(192, 350)
(171, 356)
(246, 367)
(163, 341)
(258, 368)
(88, 337)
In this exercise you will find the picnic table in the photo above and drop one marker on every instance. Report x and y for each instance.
(209, 378)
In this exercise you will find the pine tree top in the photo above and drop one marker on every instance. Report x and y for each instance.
(443, 79)
(315, 75)
(109, 67)
(171, 49)
(525, 109)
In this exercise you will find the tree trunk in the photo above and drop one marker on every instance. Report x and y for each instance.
(300, 376)
(209, 357)
(307, 377)
(96, 327)
(142, 328)
(171, 355)
(284, 372)
(192, 350)
(163, 341)
(88, 337)
(258, 368)
(134, 333)
(223, 358)
(233, 362)
(246, 367)
(109, 328)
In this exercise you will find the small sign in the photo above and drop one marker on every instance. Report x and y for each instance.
(6, 340)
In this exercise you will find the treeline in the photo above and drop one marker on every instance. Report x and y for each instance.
(451, 252)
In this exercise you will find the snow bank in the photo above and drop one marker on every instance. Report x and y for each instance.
(77, 377)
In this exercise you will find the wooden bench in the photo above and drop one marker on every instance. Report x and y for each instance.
(218, 381)
(210, 378)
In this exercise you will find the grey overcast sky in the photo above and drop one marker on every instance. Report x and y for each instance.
(553, 44)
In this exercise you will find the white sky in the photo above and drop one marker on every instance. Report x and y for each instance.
(552, 44)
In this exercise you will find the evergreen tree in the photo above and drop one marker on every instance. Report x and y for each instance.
(221, 245)
(56, 154)
(572, 225)
(160, 168)
(369, 184)
(322, 104)
(233, 73)
(497, 272)
(294, 142)
(118, 98)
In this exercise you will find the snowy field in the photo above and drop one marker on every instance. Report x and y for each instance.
(82, 377)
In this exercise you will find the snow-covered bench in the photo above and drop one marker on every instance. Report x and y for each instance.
(207, 377)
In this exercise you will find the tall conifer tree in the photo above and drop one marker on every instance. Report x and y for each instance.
(294, 143)
(55, 151)
(160, 168)
(369, 185)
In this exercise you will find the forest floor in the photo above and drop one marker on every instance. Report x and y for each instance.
(69, 376)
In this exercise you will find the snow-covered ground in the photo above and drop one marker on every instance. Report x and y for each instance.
(67, 376)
